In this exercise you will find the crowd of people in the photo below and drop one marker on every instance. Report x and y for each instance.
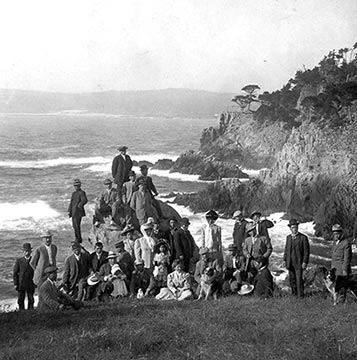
(157, 256)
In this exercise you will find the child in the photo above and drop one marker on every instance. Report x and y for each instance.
(162, 256)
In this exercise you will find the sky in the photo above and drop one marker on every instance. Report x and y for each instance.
(213, 45)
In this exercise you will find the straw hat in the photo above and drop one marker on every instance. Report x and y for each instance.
(115, 269)
(111, 255)
(93, 280)
(246, 289)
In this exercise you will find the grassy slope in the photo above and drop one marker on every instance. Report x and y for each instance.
(231, 328)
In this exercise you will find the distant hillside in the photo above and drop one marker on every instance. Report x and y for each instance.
(168, 102)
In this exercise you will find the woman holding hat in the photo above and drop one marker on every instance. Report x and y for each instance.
(211, 237)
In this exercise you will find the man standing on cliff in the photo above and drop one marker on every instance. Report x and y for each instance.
(296, 257)
(121, 166)
(76, 208)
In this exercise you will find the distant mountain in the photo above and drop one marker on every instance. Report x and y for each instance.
(168, 102)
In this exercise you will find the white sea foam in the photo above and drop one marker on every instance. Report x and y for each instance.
(153, 158)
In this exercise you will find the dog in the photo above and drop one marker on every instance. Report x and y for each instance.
(334, 283)
(208, 285)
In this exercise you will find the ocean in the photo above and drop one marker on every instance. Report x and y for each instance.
(41, 154)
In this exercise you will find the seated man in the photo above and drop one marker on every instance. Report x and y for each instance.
(140, 279)
(77, 268)
(50, 298)
(125, 262)
(263, 281)
(233, 269)
(207, 262)
(106, 200)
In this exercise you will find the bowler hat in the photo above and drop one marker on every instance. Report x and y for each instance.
(255, 213)
(122, 148)
(46, 234)
(111, 255)
(211, 214)
(50, 269)
(246, 289)
(26, 247)
(76, 182)
(236, 214)
(185, 221)
(107, 182)
(337, 227)
(203, 251)
(99, 244)
(232, 247)
(293, 222)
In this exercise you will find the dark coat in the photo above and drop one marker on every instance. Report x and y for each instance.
(23, 275)
(149, 184)
(301, 251)
(121, 168)
(75, 270)
(76, 205)
(341, 256)
(262, 247)
(96, 263)
(239, 233)
(126, 263)
(184, 245)
(263, 283)
(263, 227)
(139, 280)
(168, 235)
(48, 297)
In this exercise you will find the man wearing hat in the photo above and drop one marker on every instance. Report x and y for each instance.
(77, 268)
(150, 187)
(129, 187)
(185, 247)
(168, 235)
(140, 278)
(211, 237)
(262, 225)
(125, 262)
(129, 235)
(255, 245)
(50, 298)
(341, 257)
(76, 208)
(23, 278)
(296, 257)
(208, 261)
(121, 166)
(44, 256)
(263, 281)
(239, 230)
(104, 206)
(141, 203)
(233, 268)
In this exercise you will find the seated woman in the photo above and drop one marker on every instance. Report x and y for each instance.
(263, 281)
(178, 284)
(158, 280)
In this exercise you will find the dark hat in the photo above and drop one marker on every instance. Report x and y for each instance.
(255, 213)
(119, 243)
(76, 245)
(232, 247)
(76, 182)
(107, 182)
(211, 214)
(131, 173)
(26, 247)
(293, 222)
(185, 221)
(143, 167)
(249, 227)
(122, 148)
(99, 244)
(262, 260)
(50, 269)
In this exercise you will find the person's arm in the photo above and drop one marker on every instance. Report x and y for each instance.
(114, 167)
(347, 258)
(16, 274)
(178, 246)
(133, 201)
(269, 248)
(35, 258)
(82, 200)
(285, 256)
(306, 249)
(197, 275)
(171, 284)
(137, 249)
(70, 207)
(65, 278)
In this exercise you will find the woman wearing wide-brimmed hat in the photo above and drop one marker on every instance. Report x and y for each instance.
(211, 236)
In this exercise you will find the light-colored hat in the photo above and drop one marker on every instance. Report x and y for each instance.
(111, 255)
(337, 227)
(115, 269)
(50, 269)
(46, 234)
(139, 262)
(236, 214)
(93, 280)
(107, 182)
(246, 289)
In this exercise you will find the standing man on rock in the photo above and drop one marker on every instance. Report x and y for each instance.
(239, 230)
(121, 166)
(23, 278)
(44, 257)
(296, 257)
(341, 258)
(76, 208)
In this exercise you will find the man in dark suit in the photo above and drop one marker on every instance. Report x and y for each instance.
(43, 257)
(239, 230)
(77, 268)
(262, 225)
(296, 257)
(169, 236)
(341, 258)
(185, 247)
(23, 278)
(76, 208)
(121, 166)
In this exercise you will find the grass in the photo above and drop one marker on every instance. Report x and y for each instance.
(231, 328)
